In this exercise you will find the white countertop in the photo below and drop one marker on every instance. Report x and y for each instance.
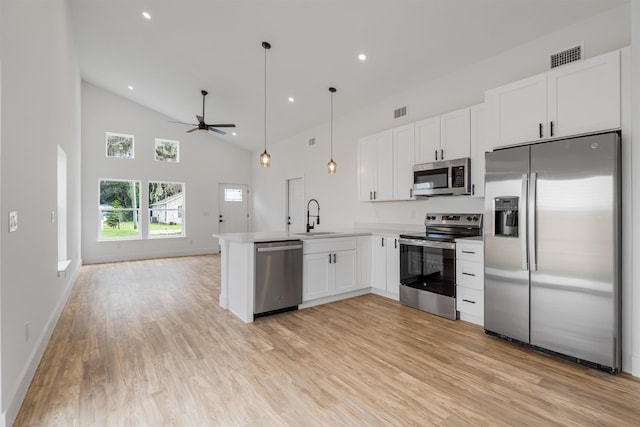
(470, 239)
(280, 236)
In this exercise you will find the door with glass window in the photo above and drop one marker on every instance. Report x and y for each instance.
(233, 208)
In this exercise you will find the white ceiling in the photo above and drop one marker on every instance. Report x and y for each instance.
(189, 45)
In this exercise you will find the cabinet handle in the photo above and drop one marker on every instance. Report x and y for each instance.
(540, 129)
(329, 258)
(469, 274)
(469, 301)
(551, 128)
(395, 243)
(441, 154)
(374, 195)
(411, 193)
(468, 252)
(370, 195)
(473, 189)
(436, 154)
(334, 258)
(382, 241)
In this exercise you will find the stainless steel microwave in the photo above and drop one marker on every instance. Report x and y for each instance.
(448, 177)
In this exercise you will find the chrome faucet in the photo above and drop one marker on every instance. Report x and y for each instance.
(310, 226)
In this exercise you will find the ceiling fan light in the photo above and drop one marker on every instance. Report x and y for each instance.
(332, 167)
(265, 159)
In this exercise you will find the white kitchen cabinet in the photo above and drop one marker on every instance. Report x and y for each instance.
(443, 137)
(329, 267)
(385, 276)
(479, 145)
(375, 167)
(364, 257)
(576, 98)
(427, 139)
(403, 161)
(470, 280)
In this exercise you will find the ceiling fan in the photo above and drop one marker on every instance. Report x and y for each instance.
(201, 125)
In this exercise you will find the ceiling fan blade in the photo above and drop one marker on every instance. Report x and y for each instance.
(218, 131)
(200, 118)
(191, 130)
(183, 123)
(223, 126)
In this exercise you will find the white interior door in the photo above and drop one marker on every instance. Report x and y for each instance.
(295, 205)
(233, 208)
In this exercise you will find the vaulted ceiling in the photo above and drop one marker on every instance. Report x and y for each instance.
(189, 45)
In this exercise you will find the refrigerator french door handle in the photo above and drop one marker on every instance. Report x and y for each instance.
(533, 238)
(523, 209)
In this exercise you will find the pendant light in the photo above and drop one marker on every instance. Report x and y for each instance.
(332, 165)
(265, 158)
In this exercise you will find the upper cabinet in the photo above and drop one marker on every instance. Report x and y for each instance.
(403, 161)
(375, 171)
(443, 137)
(479, 145)
(573, 99)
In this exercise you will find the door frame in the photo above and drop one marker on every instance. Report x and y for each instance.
(286, 198)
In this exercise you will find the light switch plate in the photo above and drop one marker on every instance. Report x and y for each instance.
(13, 221)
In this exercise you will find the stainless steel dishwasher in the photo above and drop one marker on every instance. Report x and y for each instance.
(278, 277)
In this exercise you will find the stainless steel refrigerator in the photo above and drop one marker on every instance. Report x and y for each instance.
(552, 247)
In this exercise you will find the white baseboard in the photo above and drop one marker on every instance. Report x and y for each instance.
(118, 257)
(635, 366)
(334, 298)
(9, 416)
(385, 294)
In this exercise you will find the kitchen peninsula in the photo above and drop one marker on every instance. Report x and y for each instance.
(336, 265)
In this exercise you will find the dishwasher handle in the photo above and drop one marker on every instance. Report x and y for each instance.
(279, 248)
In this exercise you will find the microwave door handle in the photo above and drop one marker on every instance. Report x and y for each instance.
(523, 221)
(532, 222)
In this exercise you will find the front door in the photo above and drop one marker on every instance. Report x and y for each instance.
(233, 208)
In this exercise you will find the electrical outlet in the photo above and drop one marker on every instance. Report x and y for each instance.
(26, 331)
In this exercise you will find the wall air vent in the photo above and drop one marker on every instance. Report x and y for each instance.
(402, 111)
(566, 56)
(312, 141)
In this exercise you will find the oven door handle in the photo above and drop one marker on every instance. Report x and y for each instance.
(426, 243)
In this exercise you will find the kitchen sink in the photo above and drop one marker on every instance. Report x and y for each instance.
(316, 233)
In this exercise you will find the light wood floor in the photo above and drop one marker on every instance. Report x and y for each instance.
(145, 343)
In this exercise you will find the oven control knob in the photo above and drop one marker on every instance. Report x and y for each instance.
(468, 218)
(475, 218)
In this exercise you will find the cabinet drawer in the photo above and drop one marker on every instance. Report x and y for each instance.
(470, 251)
(470, 274)
(328, 245)
(470, 301)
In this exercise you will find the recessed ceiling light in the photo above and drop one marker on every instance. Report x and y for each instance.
(146, 15)
(233, 133)
(362, 57)
(131, 87)
(291, 99)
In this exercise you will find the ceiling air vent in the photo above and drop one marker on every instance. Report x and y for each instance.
(566, 56)
(402, 111)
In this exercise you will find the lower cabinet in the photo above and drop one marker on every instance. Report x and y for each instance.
(329, 267)
(470, 280)
(385, 272)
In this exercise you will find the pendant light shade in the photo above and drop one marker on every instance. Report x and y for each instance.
(265, 158)
(331, 166)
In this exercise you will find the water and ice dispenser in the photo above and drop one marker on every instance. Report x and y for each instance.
(506, 216)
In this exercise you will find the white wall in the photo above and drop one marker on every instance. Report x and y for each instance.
(338, 193)
(205, 160)
(40, 110)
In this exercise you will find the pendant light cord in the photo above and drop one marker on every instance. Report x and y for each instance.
(332, 125)
(265, 99)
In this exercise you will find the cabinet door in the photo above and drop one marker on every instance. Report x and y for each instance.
(345, 271)
(363, 253)
(517, 110)
(317, 281)
(585, 96)
(393, 266)
(479, 141)
(403, 161)
(379, 270)
(384, 179)
(455, 136)
(427, 140)
(367, 167)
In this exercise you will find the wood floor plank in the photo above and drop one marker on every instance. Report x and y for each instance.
(146, 343)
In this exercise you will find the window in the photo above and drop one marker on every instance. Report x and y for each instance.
(233, 195)
(167, 150)
(166, 209)
(119, 209)
(120, 145)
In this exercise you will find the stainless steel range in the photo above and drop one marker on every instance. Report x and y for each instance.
(428, 262)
